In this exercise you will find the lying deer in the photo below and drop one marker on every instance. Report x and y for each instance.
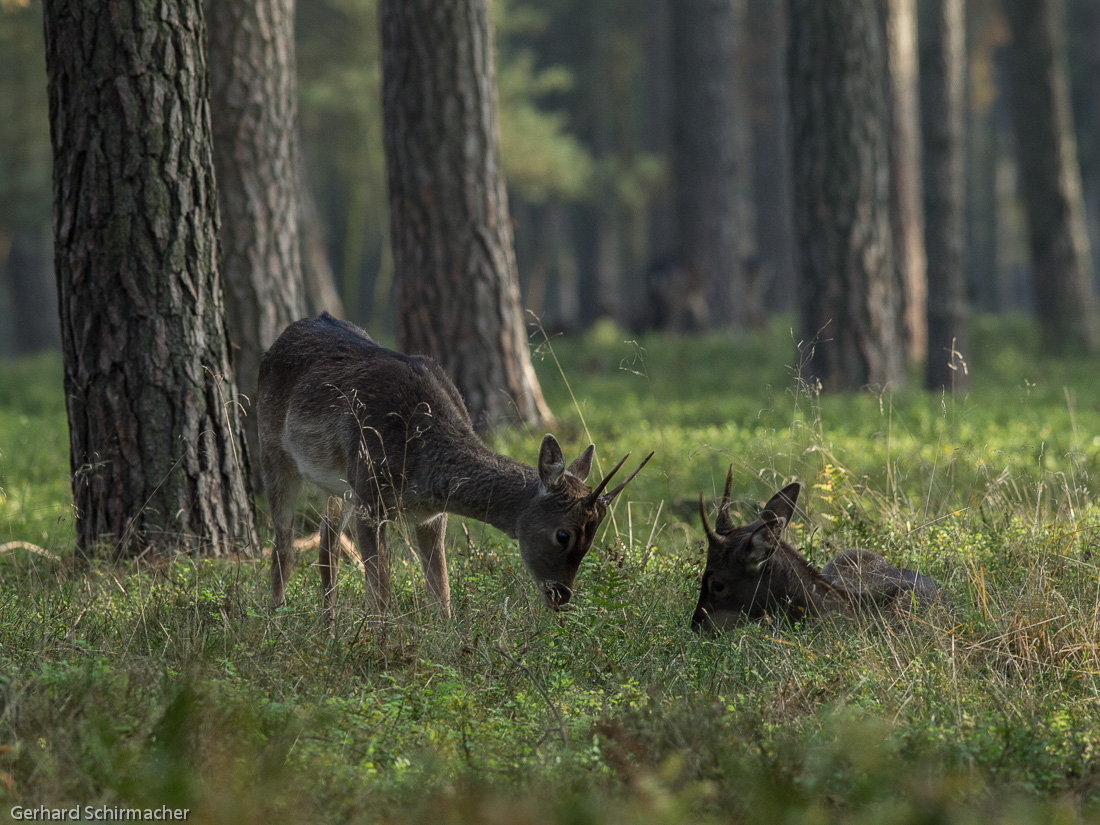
(751, 572)
(389, 433)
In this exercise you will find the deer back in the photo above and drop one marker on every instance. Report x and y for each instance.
(873, 582)
(340, 404)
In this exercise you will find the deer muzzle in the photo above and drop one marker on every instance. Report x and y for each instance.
(555, 594)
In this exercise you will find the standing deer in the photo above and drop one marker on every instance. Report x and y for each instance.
(751, 572)
(389, 433)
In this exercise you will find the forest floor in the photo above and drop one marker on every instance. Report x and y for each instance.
(142, 685)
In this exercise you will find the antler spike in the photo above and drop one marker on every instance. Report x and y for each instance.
(595, 494)
(725, 522)
(706, 522)
(608, 497)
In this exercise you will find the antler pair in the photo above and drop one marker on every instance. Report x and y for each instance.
(723, 525)
(607, 498)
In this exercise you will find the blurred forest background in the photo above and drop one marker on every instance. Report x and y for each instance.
(587, 108)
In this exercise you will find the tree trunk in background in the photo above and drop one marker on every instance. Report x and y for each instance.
(1046, 152)
(981, 206)
(596, 225)
(906, 216)
(254, 110)
(673, 296)
(987, 249)
(943, 113)
(840, 130)
(751, 296)
(457, 289)
(318, 279)
(767, 43)
(29, 271)
(704, 155)
(155, 433)
(1084, 57)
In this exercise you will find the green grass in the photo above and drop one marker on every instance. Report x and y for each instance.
(174, 685)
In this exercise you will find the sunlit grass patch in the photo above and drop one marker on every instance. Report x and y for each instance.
(174, 683)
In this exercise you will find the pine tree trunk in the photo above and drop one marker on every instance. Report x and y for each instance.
(840, 129)
(943, 109)
(1046, 150)
(906, 214)
(254, 111)
(456, 282)
(704, 154)
(155, 435)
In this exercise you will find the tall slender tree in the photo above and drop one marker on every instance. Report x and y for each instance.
(154, 423)
(1046, 152)
(704, 154)
(840, 129)
(906, 215)
(254, 113)
(943, 113)
(767, 36)
(456, 282)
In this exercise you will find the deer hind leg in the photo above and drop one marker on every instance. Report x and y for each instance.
(371, 532)
(328, 555)
(282, 483)
(433, 558)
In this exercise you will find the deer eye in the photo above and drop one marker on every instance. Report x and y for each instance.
(717, 587)
(562, 538)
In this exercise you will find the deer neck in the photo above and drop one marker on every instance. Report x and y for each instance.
(480, 484)
(807, 588)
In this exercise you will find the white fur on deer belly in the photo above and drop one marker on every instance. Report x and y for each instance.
(330, 478)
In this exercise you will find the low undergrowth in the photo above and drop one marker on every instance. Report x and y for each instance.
(142, 685)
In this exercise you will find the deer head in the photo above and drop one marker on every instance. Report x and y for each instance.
(750, 570)
(556, 529)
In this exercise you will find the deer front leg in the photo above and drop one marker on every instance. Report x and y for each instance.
(328, 557)
(282, 482)
(433, 558)
(371, 532)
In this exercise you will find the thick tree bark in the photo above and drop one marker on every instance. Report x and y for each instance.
(840, 129)
(906, 215)
(156, 437)
(254, 111)
(1046, 152)
(943, 112)
(704, 155)
(456, 282)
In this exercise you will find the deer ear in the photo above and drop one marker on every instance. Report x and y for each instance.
(764, 540)
(551, 462)
(582, 465)
(782, 504)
